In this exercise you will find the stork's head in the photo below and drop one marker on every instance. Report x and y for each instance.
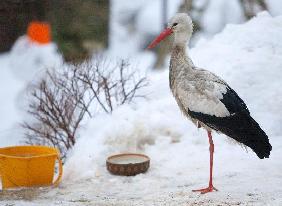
(181, 26)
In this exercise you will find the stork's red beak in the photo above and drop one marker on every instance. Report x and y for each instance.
(161, 37)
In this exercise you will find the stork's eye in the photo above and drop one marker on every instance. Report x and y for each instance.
(174, 24)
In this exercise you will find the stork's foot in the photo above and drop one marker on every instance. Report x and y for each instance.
(211, 188)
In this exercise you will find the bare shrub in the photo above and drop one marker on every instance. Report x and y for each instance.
(60, 102)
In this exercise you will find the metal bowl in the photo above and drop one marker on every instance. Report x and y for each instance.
(128, 164)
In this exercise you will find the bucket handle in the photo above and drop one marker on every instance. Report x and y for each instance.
(59, 178)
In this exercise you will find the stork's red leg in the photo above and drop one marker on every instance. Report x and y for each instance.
(210, 188)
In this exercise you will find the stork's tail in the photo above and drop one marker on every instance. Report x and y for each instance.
(248, 132)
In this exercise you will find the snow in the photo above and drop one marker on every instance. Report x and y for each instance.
(25, 62)
(249, 58)
(28, 60)
(274, 6)
(9, 90)
(219, 13)
(131, 21)
(152, 12)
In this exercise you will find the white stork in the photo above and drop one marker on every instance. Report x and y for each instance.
(207, 100)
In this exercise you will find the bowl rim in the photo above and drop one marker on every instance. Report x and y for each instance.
(128, 154)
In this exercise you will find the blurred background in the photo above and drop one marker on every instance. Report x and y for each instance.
(80, 28)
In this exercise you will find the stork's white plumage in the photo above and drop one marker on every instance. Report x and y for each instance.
(207, 100)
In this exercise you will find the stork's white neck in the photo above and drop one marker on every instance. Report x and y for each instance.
(179, 63)
(178, 51)
(181, 38)
(179, 56)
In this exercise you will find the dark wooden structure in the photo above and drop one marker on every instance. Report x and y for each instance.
(15, 16)
(78, 27)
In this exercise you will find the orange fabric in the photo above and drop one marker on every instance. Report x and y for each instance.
(39, 32)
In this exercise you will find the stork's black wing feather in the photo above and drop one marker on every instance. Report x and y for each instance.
(239, 125)
(233, 103)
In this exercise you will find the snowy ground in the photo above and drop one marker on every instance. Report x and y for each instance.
(249, 58)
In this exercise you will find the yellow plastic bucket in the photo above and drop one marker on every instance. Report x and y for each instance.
(28, 166)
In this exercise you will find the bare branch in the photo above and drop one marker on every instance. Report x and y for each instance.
(61, 101)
